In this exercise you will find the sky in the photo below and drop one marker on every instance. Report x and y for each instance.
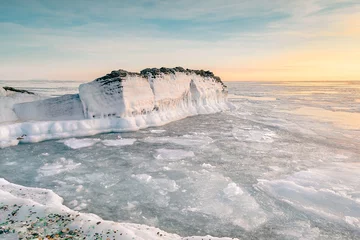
(239, 40)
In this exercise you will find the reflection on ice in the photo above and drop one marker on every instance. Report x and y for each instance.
(332, 192)
(343, 119)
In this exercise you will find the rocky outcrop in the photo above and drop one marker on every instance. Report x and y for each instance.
(120, 75)
(11, 89)
(122, 94)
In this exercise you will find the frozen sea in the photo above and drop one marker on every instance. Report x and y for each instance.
(284, 165)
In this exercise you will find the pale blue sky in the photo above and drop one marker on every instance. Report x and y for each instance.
(85, 39)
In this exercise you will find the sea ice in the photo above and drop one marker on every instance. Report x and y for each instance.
(173, 154)
(59, 166)
(76, 143)
(119, 142)
(331, 192)
(185, 140)
(34, 208)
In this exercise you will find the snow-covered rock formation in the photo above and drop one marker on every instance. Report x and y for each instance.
(9, 97)
(119, 101)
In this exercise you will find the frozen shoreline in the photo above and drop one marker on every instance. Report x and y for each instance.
(118, 102)
(36, 212)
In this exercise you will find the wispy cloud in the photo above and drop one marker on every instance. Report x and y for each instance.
(80, 39)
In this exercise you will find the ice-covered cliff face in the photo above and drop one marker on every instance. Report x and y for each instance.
(119, 101)
(11, 96)
(125, 94)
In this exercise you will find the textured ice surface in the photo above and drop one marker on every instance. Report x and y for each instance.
(332, 191)
(261, 171)
(7, 101)
(35, 208)
(67, 107)
(59, 166)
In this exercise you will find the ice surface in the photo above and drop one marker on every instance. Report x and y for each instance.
(260, 171)
(337, 184)
(34, 208)
(61, 165)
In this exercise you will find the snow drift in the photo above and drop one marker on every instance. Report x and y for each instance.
(119, 101)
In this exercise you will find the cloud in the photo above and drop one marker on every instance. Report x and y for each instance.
(84, 39)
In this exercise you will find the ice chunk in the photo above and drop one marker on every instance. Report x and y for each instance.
(143, 177)
(76, 143)
(218, 196)
(161, 184)
(59, 166)
(173, 154)
(119, 142)
(232, 190)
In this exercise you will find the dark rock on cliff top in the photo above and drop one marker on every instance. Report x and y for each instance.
(11, 89)
(118, 75)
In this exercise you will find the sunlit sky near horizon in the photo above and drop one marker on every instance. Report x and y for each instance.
(258, 40)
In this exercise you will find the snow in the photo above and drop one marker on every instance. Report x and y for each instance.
(67, 107)
(26, 206)
(7, 101)
(130, 104)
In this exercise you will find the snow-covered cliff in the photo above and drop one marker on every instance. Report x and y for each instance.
(118, 101)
